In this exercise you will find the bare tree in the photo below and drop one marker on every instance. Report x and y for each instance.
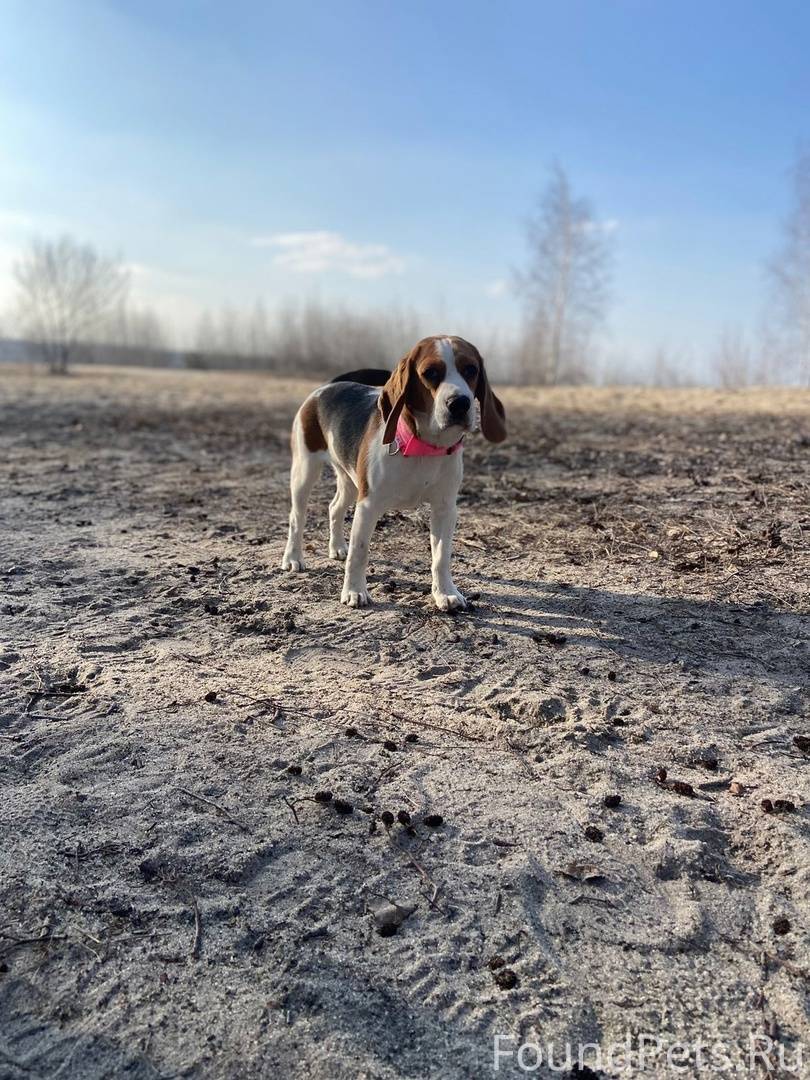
(231, 336)
(130, 327)
(258, 333)
(66, 291)
(789, 271)
(206, 338)
(732, 362)
(668, 371)
(146, 330)
(565, 286)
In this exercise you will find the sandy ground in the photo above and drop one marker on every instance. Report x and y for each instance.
(173, 899)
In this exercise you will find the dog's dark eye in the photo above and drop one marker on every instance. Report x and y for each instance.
(433, 374)
(470, 371)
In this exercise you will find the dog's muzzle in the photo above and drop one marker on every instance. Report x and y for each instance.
(458, 408)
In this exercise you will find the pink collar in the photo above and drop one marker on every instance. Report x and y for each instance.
(410, 445)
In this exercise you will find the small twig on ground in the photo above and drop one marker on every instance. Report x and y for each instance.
(266, 700)
(44, 690)
(292, 807)
(470, 543)
(195, 947)
(389, 768)
(32, 700)
(521, 760)
(766, 959)
(410, 721)
(238, 693)
(89, 948)
(18, 942)
(90, 937)
(217, 806)
(432, 899)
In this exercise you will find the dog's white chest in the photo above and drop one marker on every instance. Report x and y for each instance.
(412, 481)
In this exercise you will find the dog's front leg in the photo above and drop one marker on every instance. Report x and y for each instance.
(355, 589)
(442, 526)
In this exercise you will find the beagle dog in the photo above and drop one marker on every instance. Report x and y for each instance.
(392, 448)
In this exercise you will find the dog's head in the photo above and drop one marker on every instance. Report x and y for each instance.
(436, 383)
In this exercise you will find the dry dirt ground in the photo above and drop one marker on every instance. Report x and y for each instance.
(174, 900)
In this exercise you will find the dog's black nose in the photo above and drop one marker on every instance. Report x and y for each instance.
(459, 406)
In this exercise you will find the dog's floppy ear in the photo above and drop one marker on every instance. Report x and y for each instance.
(493, 417)
(392, 398)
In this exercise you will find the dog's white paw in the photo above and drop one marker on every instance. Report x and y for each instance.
(450, 601)
(338, 551)
(293, 561)
(355, 597)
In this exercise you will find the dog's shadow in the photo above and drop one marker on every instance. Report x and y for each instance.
(733, 639)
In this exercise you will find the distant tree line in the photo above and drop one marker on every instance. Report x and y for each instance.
(74, 303)
(310, 338)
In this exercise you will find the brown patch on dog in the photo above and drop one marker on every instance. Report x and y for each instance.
(392, 396)
(430, 358)
(467, 356)
(314, 438)
(408, 388)
(421, 392)
(361, 468)
(493, 416)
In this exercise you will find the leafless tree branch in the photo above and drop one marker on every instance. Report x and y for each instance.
(565, 286)
(788, 324)
(66, 291)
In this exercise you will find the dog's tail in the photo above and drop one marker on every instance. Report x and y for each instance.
(367, 376)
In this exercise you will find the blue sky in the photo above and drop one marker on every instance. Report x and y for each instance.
(369, 152)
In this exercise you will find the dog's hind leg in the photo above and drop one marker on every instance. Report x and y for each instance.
(345, 495)
(307, 466)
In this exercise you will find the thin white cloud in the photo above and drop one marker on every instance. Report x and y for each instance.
(156, 277)
(12, 221)
(320, 252)
(497, 288)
